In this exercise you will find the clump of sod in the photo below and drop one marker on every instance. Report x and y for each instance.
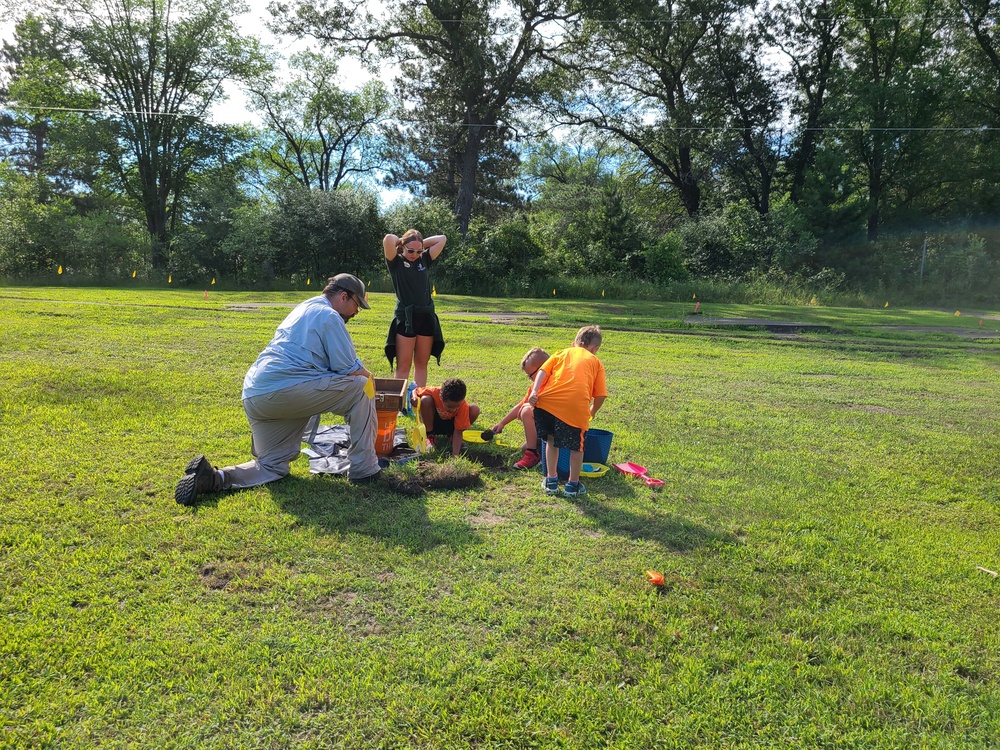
(447, 473)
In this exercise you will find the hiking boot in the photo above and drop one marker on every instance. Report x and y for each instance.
(530, 460)
(199, 478)
(550, 486)
(574, 489)
(368, 479)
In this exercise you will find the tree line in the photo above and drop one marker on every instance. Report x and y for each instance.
(828, 142)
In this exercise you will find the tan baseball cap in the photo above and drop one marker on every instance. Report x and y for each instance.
(354, 286)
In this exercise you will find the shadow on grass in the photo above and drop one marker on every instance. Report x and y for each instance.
(672, 531)
(333, 505)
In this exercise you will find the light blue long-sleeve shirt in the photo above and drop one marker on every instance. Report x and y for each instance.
(311, 343)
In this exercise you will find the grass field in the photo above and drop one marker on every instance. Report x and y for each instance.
(829, 500)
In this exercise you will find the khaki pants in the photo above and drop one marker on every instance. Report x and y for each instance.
(278, 420)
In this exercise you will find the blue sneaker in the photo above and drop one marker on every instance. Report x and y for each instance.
(574, 489)
(551, 486)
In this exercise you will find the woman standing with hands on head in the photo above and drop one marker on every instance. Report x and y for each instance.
(415, 332)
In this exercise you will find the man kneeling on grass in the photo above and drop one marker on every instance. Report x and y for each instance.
(310, 367)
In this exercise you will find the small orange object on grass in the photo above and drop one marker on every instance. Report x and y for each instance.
(654, 578)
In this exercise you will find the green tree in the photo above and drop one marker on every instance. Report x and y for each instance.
(891, 95)
(976, 108)
(40, 132)
(809, 35)
(320, 134)
(748, 143)
(584, 212)
(465, 67)
(644, 72)
(41, 231)
(157, 68)
(317, 233)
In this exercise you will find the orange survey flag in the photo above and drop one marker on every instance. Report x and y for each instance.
(654, 578)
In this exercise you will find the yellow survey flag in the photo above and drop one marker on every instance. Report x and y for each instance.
(133, 274)
(434, 291)
(887, 303)
(308, 282)
(170, 279)
(60, 269)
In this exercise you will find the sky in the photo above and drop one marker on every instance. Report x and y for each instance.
(234, 110)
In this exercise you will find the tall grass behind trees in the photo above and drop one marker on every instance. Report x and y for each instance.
(828, 500)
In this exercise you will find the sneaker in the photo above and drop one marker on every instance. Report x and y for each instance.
(199, 478)
(368, 479)
(531, 460)
(574, 489)
(551, 486)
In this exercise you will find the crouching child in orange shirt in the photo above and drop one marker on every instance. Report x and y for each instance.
(568, 390)
(530, 363)
(445, 411)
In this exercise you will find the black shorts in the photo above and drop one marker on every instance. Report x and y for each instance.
(563, 435)
(423, 325)
(442, 426)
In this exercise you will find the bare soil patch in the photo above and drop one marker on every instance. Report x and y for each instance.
(492, 461)
(218, 575)
(486, 518)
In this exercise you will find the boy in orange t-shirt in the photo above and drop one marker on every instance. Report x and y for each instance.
(568, 391)
(445, 411)
(530, 363)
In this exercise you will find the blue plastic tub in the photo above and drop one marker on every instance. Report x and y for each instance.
(596, 448)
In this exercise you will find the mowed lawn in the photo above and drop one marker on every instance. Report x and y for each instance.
(830, 499)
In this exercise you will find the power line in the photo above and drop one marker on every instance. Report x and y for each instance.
(694, 19)
(501, 125)
(18, 105)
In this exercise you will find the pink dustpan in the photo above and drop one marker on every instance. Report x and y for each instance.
(627, 467)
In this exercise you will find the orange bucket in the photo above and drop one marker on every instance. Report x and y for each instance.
(385, 435)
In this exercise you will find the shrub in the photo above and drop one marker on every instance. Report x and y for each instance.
(664, 261)
(321, 233)
(738, 241)
(39, 232)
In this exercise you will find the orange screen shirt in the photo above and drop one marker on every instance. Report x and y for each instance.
(575, 376)
(460, 415)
